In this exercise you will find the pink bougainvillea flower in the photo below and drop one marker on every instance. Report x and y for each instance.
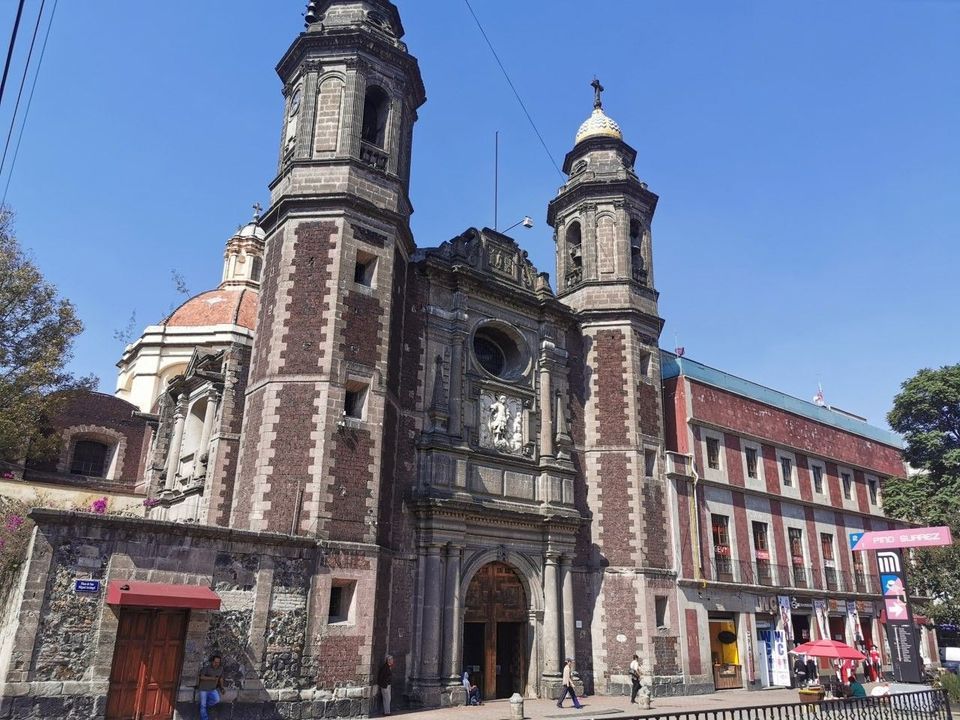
(99, 506)
(14, 522)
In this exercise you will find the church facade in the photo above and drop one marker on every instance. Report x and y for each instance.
(362, 447)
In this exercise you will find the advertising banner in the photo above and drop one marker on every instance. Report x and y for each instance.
(780, 660)
(854, 629)
(820, 611)
(785, 622)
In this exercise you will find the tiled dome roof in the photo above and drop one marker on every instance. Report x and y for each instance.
(251, 229)
(598, 124)
(230, 306)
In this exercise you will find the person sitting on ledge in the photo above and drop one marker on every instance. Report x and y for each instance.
(473, 692)
(855, 689)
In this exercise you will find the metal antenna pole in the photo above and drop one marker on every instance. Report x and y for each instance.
(496, 174)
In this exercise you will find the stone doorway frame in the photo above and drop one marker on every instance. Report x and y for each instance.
(530, 574)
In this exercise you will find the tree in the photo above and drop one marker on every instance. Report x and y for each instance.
(37, 329)
(927, 413)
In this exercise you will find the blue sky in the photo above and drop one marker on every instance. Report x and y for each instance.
(806, 156)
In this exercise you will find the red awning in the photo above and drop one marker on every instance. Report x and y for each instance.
(161, 595)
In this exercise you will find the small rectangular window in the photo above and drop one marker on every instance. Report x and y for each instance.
(721, 538)
(364, 270)
(872, 488)
(786, 467)
(795, 536)
(644, 364)
(847, 485)
(751, 454)
(826, 543)
(713, 453)
(340, 608)
(660, 604)
(760, 540)
(817, 479)
(650, 462)
(354, 401)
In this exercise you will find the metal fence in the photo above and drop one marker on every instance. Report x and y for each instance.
(922, 705)
(761, 572)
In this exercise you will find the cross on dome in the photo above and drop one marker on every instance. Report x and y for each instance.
(257, 209)
(597, 89)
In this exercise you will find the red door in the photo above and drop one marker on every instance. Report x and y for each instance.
(146, 664)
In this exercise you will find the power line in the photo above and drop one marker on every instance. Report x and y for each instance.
(13, 41)
(512, 87)
(26, 110)
(23, 81)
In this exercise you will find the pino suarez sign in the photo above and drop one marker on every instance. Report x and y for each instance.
(903, 538)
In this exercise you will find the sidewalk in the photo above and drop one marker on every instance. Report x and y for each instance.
(601, 706)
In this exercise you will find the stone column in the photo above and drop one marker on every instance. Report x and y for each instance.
(173, 452)
(551, 624)
(452, 640)
(208, 417)
(546, 421)
(566, 582)
(430, 630)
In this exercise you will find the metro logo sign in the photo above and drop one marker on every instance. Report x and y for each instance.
(905, 538)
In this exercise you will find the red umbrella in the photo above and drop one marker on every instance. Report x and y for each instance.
(829, 649)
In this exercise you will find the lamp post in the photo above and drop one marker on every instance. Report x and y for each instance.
(527, 222)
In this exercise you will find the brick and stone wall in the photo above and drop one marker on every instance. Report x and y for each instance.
(281, 657)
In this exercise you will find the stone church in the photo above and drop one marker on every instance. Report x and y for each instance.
(359, 446)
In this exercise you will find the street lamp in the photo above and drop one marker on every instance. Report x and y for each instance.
(527, 222)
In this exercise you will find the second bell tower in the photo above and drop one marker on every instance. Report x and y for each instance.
(337, 246)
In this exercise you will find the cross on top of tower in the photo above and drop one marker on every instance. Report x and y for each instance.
(597, 89)
(257, 209)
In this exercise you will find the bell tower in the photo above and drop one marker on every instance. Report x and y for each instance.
(601, 219)
(337, 246)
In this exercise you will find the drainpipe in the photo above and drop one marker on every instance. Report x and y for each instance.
(695, 514)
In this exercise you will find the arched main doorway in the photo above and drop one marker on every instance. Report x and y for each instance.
(495, 647)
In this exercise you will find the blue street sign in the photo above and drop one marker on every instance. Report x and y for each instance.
(854, 539)
(86, 586)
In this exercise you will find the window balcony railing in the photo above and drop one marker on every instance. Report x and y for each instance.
(762, 572)
(373, 156)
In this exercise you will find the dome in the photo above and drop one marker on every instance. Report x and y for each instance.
(251, 230)
(598, 125)
(227, 306)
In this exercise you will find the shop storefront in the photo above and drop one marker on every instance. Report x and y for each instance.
(724, 652)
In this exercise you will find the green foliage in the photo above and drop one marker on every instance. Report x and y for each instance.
(951, 683)
(927, 413)
(37, 329)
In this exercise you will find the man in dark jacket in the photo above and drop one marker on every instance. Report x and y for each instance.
(385, 682)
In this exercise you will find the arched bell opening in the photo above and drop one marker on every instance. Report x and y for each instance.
(496, 647)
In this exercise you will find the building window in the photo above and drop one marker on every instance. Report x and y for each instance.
(751, 454)
(499, 353)
(364, 270)
(355, 400)
(340, 609)
(645, 364)
(829, 566)
(817, 478)
(762, 550)
(89, 458)
(713, 453)
(872, 489)
(786, 468)
(795, 537)
(650, 462)
(859, 576)
(256, 265)
(376, 106)
(660, 606)
(847, 485)
(721, 547)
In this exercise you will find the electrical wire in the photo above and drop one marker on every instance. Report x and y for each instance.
(512, 87)
(13, 41)
(26, 110)
(23, 82)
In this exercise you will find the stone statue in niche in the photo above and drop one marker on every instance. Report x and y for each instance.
(501, 423)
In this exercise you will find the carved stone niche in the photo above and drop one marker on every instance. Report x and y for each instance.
(501, 422)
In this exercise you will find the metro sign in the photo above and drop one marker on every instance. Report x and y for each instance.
(905, 538)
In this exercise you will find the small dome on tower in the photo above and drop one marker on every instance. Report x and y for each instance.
(251, 230)
(599, 124)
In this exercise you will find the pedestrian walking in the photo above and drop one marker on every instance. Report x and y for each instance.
(568, 686)
(634, 678)
(210, 685)
(385, 682)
